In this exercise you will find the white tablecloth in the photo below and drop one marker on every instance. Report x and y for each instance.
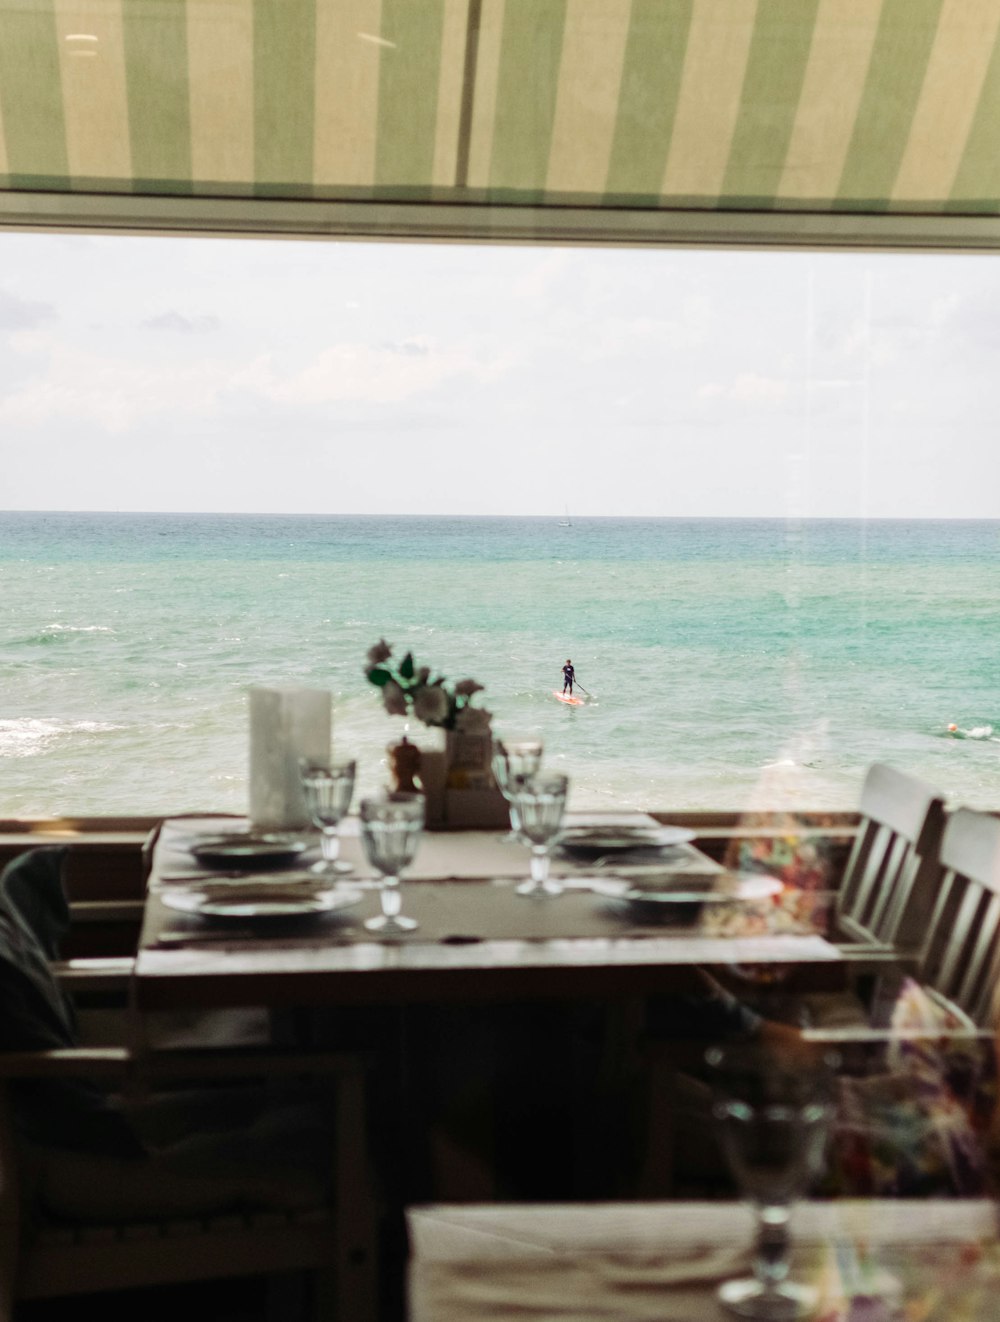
(663, 1262)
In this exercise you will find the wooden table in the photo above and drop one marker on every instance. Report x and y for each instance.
(478, 940)
(662, 1262)
(535, 970)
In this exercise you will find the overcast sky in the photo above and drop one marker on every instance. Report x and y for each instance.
(190, 374)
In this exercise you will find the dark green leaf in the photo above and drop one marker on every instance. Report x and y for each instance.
(407, 669)
(379, 675)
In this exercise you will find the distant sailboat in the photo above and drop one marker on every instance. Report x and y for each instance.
(565, 523)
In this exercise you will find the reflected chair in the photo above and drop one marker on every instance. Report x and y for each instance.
(880, 916)
(891, 877)
(960, 958)
(919, 1076)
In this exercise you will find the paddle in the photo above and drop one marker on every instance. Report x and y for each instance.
(578, 685)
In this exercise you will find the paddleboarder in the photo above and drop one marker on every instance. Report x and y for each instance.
(569, 675)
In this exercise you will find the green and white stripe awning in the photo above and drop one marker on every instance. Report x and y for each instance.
(654, 120)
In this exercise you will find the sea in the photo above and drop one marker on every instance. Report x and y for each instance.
(732, 664)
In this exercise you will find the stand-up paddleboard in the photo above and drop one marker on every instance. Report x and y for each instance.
(570, 699)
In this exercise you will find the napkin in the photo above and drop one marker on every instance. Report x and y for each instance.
(576, 1288)
(285, 725)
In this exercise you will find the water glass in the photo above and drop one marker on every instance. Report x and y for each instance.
(513, 759)
(391, 826)
(328, 788)
(773, 1123)
(540, 801)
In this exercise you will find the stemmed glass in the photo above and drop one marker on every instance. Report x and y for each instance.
(391, 825)
(513, 759)
(328, 788)
(540, 801)
(773, 1121)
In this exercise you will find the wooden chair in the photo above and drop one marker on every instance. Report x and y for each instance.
(44, 1257)
(890, 881)
(960, 958)
(41, 1258)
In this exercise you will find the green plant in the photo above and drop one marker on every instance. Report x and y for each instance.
(409, 689)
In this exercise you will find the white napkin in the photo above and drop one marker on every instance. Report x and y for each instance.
(285, 725)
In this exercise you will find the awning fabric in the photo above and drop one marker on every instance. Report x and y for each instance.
(653, 119)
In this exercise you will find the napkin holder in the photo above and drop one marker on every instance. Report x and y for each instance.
(460, 788)
(285, 725)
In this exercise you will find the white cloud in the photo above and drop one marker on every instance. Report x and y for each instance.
(108, 390)
(626, 337)
(177, 321)
(117, 393)
(19, 313)
(362, 373)
(749, 388)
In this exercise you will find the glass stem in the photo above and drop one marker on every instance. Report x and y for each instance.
(540, 864)
(330, 844)
(390, 897)
(770, 1264)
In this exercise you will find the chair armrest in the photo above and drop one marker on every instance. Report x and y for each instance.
(106, 911)
(64, 1063)
(85, 975)
(118, 1062)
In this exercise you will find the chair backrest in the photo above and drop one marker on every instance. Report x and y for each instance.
(960, 959)
(891, 878)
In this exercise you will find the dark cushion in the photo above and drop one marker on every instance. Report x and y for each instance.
(34, 917)
(35, 1015)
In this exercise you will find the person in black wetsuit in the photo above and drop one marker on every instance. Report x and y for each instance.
(569, 674)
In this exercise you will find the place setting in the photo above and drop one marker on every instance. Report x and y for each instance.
(649, 874)
(635, 870)
(661, 897)
(260, 879)
(265, 877)
(631, 849)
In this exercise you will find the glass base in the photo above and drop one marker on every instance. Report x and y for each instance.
(394, 926)
(336, 868)
(780, 1303)
(539, 889)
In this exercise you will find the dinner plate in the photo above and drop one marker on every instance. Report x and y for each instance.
(610, 839)
(260, 899)
(677, 888)
(247, 850)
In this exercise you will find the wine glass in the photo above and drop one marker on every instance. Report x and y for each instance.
(540, 801)
(391, 825)
(513, 759)
(328, 788)
(773, 1119)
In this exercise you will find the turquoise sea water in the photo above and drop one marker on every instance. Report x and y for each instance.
(732, 663)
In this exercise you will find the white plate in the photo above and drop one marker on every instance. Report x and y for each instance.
(678, 889)
(245, 850)
(609, 839)
(260, 899)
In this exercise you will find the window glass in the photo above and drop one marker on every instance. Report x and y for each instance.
(752, 496)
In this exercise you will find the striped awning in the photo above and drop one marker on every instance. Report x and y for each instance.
(789, 121)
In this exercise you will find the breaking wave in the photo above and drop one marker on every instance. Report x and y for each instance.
(27, 736)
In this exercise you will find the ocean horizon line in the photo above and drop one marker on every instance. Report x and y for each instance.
(547, 518)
